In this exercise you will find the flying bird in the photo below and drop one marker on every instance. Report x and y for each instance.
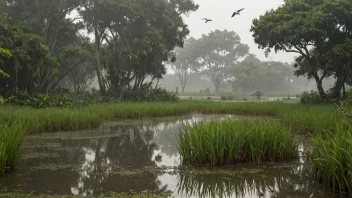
(207, 20)
(237, 12)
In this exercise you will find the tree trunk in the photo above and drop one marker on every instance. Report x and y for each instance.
(217, 87)
(336, 90)
(319, 82)
(344, 90)
(98, 65)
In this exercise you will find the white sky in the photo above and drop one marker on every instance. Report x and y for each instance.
(220, 12)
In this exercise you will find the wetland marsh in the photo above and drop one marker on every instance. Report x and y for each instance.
(127, 158)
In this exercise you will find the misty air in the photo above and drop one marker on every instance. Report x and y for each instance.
(175, 98)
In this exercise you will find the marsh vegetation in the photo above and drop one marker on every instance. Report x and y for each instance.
(77, 76)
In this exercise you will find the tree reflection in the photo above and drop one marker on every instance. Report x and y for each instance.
(101, 160)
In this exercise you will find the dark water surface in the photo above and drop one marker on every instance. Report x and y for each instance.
(140, 156)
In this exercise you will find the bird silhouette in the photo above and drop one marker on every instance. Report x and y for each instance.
(207, 20)
(237, 12)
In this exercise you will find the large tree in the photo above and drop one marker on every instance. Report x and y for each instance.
(318, 30)
(50, 20)
(217, 52)
(252, 74)
(29, 57)
(47, 18)
(186, 62)
(140, 37)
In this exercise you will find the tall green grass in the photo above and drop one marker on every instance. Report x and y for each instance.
(11, 140)
(50, 120)
(15, 122)
(230, 141)
(332, 156)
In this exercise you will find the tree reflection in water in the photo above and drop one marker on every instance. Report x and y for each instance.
(99, 163)
(102, 158)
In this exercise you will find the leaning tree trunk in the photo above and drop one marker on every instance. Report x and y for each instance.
(336, 90)
(319, 82)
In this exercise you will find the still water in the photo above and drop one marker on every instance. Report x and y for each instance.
(140, 156)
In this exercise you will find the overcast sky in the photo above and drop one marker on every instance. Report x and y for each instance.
(220, 12)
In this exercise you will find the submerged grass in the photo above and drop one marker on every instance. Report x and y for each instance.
(230, 141)
(332, 157)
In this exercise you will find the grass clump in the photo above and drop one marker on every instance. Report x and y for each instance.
(231, 141)
(332, 156)
(11, 140)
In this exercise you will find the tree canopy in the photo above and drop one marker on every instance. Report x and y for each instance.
(185, 63)
(132, 40)
(217, 52)
(319, 31)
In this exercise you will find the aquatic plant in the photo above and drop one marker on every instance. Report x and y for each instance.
(231, 141)
(11, 140)
(24, 120)
(332, 157)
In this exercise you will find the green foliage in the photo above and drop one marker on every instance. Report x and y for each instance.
(28, 120)
(231, 141)
(331, 156)
(60, 100)
(258, 94)
(312, 97)
(29, 57)
(318, 31)
(11, 140)
(4, 54)
(252, 74)
(348, 98)
(4, 101)
(149, 94)
(186, 62)
(217, 52)
(141, 37)
(227, 97)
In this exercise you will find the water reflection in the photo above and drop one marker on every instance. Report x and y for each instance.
(129, 157)
(271, 182)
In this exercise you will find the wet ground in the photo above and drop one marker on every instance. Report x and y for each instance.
(139, 157)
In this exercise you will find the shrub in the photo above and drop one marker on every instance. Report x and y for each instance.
(147, 93)
(311, 97)
(231, 141)
(224, 97)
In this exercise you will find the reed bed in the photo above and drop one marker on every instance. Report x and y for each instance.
(332, 157)
(11, 140)
(51, 120)
(231, 141)
(16, 122)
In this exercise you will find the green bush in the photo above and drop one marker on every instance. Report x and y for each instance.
(147, 94)
(311, 97)
(225, 97)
